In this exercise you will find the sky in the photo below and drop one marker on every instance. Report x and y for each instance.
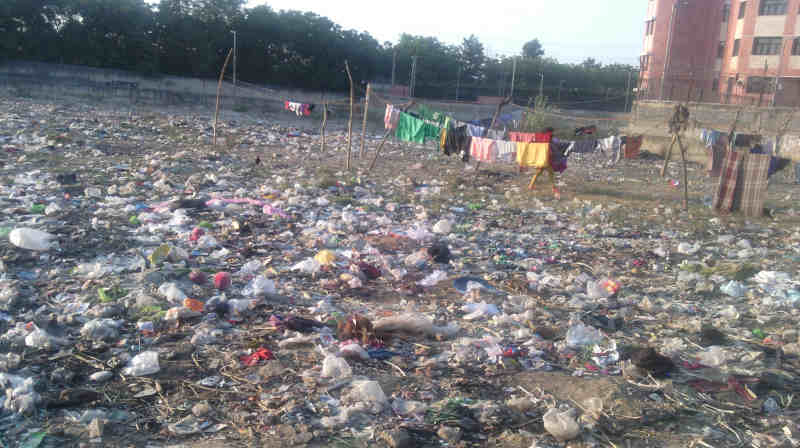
(609, 31)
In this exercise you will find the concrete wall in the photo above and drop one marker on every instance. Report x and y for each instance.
(650, 118)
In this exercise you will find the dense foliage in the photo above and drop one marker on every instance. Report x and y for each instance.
(287, 48)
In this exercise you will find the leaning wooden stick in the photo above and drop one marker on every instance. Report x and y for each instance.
(219, 90)
(685, 174)
(364, 124)
(667, 156)
(350, 122)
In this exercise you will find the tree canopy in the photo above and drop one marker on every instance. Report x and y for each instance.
(289, 48)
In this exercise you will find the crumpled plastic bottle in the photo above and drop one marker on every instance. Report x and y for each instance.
(145, 363)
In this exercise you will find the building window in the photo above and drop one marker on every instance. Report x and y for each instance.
(726, 11)
(767, 45)
(758, 84)
(715, 85)
(735, 48)
(796, 47)
(742, 9)
(772, 8)
(650, 28)
(721, 50)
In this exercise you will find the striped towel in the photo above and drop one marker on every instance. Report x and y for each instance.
(751, 184)
(723, 197)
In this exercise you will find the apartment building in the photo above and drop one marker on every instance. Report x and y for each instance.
(729, 51)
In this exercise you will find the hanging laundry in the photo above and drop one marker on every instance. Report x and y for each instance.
(716, 155)
(506, 150)
(746, 140)
(432, 117)
(582, 147)
(390, 117)
(586, 130)
(751, 184)
(476, 131)
(632, 146)
(457, 141)
(443, 137)
(723, 196)
(528, 137)
(496, 134)
(535, 155)
(414, 130)
(558, 157)
(611, 147)
(483, 149)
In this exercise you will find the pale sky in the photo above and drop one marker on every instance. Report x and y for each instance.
(570, 30)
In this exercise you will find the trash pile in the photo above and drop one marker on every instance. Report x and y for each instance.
(155, 289)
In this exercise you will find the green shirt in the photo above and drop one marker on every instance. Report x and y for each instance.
(412, 129)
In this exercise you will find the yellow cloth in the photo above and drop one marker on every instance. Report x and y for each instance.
(444, 134)
(536, 155)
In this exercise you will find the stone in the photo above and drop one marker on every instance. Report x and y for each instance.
(202, 408)
(449, 434)
(96, 428)
(398, 438)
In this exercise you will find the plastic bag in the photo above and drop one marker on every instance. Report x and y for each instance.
(172, 293)
(145, 363)
(336, 368)
(259, 286)
(307, 266)
(561, 425)
(479, 310)
(433, 278)
(580, 335)
(31, 239)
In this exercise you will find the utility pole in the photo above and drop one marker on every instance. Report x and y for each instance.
(458, 82)
(513, 77)
(628, 90)
(541, 85)
(413, 75)
(669, 47)
(234, 63)
(560, 86)
(394, 65)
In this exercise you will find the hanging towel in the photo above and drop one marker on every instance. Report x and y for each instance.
(483, 149)
(582, 147)
(496, 134)
(414, 130)
(443, 136)
(717, 155)
(746, 140)
(611, 147)
(751, 184)
(390, 117)
(506, 151)
(726, 187)
(535, 155)
(632, 146)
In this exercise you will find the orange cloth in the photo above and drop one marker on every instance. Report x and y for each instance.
(632, 147)
(536, 155)
(527, 137)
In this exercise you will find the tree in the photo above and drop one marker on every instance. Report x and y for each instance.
(472, 59)
(591, 64)
(532, 50)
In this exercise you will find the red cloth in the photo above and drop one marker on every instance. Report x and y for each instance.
(261, 353)
(527, 137)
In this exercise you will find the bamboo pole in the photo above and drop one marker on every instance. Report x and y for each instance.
(667, 156)
(219, 90)
(364, 124)
(685, 174)
(324, 123)
(350, 122)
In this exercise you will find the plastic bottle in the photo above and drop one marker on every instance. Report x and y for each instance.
(31, 239)
(145, 363)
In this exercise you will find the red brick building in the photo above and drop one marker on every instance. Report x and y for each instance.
(727, 51)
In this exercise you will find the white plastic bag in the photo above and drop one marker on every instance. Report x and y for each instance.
(145, 363)
(561, 425)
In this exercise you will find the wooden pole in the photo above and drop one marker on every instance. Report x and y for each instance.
(667, 156)
(324, 123)
(364, 124)
(350, 122)
(219, 90)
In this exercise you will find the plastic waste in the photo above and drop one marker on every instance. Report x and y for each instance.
(414, 324)
(713, 356)
(101, 329)
(325, 257)
(433, 278)
(580, 335)
(354, 351)
(259, 286)
(336, 368)
(31, 239)
(479, 310)
(172, 293)
(443, 226)
(733, 289)
(307, 266)
(368, 391)
(145, 363)
(561, 425)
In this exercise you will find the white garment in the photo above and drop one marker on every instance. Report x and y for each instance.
(297, 108)
(611, 147)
